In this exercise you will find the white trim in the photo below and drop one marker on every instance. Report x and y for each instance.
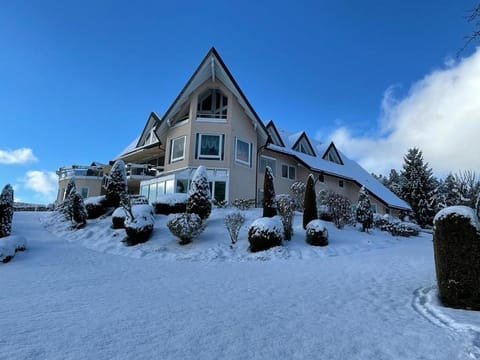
(249, 145)
(220, 148)
(172, 141)
(180, 123)
(212, 120)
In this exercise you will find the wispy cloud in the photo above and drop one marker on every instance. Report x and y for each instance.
(42, 183)
(19, 156)
(440, 115)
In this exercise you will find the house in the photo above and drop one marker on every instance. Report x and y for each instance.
(212, 123)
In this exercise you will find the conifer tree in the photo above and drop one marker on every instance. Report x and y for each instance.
(269, 205)
(310, 202)
(78, 211)
(199, 198)
(417, 185)
(116, 184)
(364, 213)
(6, 210)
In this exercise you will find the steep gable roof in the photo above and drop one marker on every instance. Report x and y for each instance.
(304, 145)
(211, 67)
(139, 141)
(332, 154)
(274, 134)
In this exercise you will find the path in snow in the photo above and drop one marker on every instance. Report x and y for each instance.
(63, 301)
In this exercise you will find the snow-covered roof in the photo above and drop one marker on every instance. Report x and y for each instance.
(132, 146)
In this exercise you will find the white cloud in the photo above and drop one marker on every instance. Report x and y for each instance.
(19, 156)
(440, 115)
(43, 183)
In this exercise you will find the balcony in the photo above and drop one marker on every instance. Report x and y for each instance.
(142, 171)
(80, 171)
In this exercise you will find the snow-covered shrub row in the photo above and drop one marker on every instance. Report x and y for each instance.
(395, 226)
(243, 204)
(286, 208)
(456, 244)
(185, 226)
(317, 233)
(138, 199)
(170, 204)
(265, 233)
(234, 221)
(95, 206)
(221, 204)
(6, 211)
(118, 218)
(198, 201)
(10, 245)
(139, 224)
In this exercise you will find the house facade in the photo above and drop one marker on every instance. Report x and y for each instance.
(212, 123)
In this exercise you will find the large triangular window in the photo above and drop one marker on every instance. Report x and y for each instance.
(212, 104)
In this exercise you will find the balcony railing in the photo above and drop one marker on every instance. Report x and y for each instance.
(79, 171)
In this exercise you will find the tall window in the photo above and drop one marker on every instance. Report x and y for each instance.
(84, 192)
(209, 146)
(212, 104)
(268, 161)
(243, 151)
(177, 149)
(288, 172)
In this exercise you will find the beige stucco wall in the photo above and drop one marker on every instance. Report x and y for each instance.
(94, 185)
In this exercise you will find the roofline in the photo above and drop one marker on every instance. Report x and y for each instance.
(334, 148)
(271, 123)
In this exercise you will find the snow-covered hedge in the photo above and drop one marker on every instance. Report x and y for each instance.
(243, 204)
(118, 218)
(395, 226)
(95, 206)
(317, 233)
(170, 204)
(185, 226)
(141, 226)
(456, 244)
(10, 245)
(265, 233)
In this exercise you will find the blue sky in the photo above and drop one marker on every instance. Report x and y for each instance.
(78, 79)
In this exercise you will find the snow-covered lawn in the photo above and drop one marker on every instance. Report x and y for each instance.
(84, 295)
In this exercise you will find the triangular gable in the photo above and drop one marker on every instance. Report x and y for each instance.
(332, 154)
(148, 136)
(274, 134)
(304, 145)
(211, 67)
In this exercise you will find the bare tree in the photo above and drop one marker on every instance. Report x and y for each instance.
(474, 18)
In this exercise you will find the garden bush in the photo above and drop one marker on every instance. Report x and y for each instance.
(118, 218)
(185, 226)
(265, 233)
(6, 211)
(199, 198)
(170, 204)
(317, 233)
(139, 223)
(95, 206)
(234, 221)
(286, 208)
(456, 244)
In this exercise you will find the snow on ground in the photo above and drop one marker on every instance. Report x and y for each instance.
(85, 295)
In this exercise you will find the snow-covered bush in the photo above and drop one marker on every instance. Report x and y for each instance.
(78, 212)
(221, 204)
(269, 206)
(10, 245)
(66, 206)
(118, 218)
(309, 202)
(243, 204)
(139, 224)
(6, 211)
(95, 206)
(185, 226)
(340, 209)
(405, 229)
(286, 207)
(317, 233)
(297, 189)
(199, 198)
(115, 184)
(456, 244)
(265, 233)
(234, 221)
(364, 213)
(170, 204)
(138, 199)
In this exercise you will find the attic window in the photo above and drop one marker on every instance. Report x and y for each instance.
(303, 147)
(333, 157)
(212, 104)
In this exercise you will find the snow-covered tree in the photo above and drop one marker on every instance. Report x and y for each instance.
(116, 183)
(234, 221)
(340, 209)
(199, 198)
(286, 207)
(309, 202)
(66, 206)
(468, 186)
(6, 211)
(417, 185)
(269, 206)
(364, 213)
(297, 189)
(78, 211)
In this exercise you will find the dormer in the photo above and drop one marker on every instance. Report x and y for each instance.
(274, 134)
(148, 136)
(332, 154)
(303, 145)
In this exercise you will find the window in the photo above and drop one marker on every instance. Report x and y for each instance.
(210, 146)
(288, 172)
(374, 208)
(84, 192)
(242, 152)
(212, 104)
(177, 149)
(321, 178)
(268, 161)
(340, 183)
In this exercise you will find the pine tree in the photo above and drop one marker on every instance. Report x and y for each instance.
(116, 184)
(364, 212)
(79, 213)
(417, 186)
(199, 198)
(6, 211)
(310, 202)
(269, 206)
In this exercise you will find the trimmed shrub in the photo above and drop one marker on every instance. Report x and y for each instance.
(95, 206)
(139, 224)
(364, 213)
(286, 207)
(405, 229)
(185, 226)
(310, 202)
(297, 189)
(456, 245)
(118, 218)
(10, 245)
(78, 211)
(198, 201)
(6, 210)
(340, 209)
(244, 204)
(269, 206)
(317, 233)
(116, 184)
(265, 233)
(171, 204)
(234, 221)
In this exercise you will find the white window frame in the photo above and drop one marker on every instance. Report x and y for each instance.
(249, 147)
(289, 171)
(220, 149)
(172, 159)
